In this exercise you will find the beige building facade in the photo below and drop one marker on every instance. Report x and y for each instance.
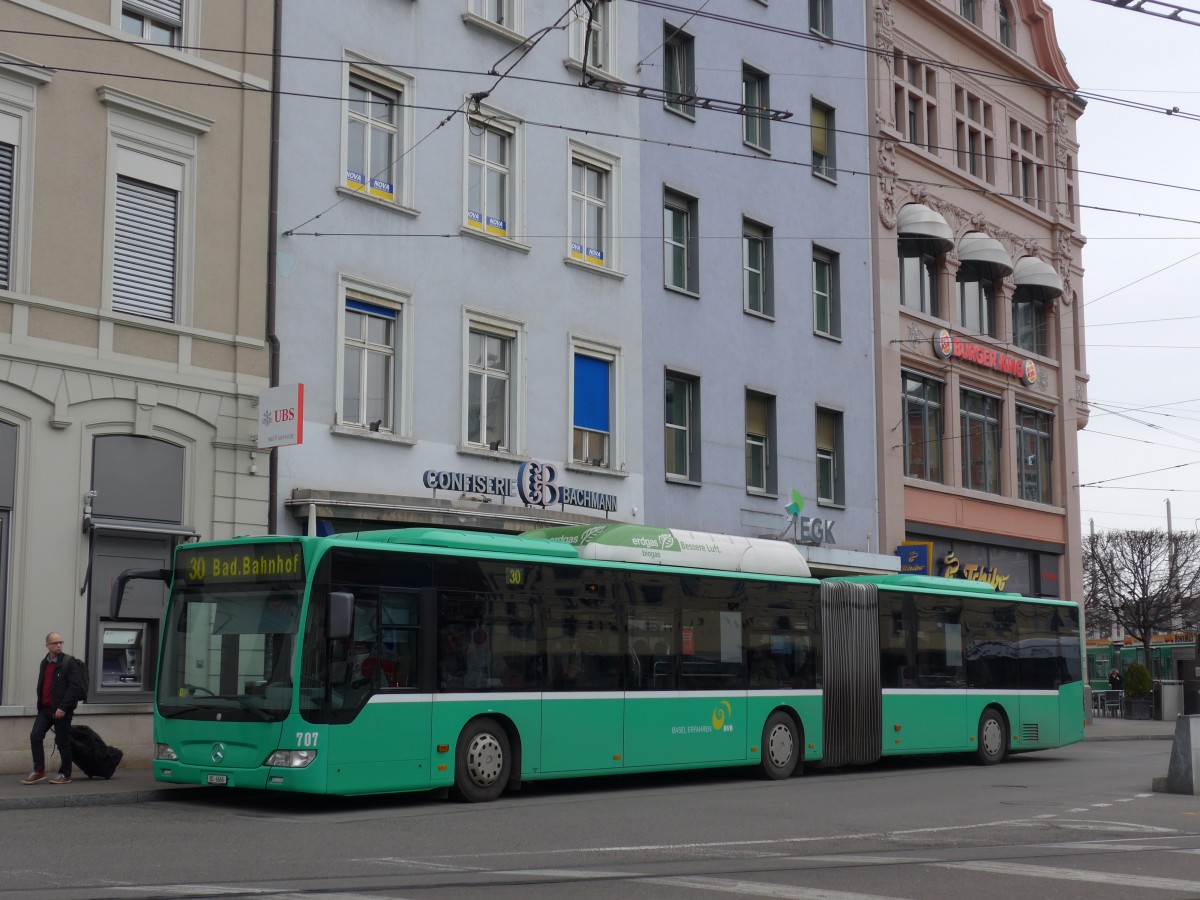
(134, 173)
(982, 382)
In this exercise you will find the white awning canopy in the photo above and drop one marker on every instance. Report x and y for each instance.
(980, 254)
(1037, 279)
(918, 222)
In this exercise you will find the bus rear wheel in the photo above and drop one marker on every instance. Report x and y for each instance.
(482, 761)
(993, 738)
(781, 747)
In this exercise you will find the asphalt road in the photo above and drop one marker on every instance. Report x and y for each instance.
(1072, 823)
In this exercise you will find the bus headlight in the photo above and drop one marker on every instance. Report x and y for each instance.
(164, 751)
(291, 759)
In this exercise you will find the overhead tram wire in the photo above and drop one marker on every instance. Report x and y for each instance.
(1171, 11)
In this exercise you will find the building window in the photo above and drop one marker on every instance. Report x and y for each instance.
(975, 142)
(498, 12)
(756, 103)
(593, 395)
(489, 387)
(1029, 323)
(491, 181)
(1027, 159)
(679, 71)
(824, 161)
(157, 21)
(820, 17)
(1069, 175)
(915, 87)
(145, 249)
(976, 303)
(1006, 37)
(1035, 444)
(758, 264)
(760, 443)
(681, 263)
(827, 307)
(590, 33)
(980, 440)
(922, 427)
(373, 138)
(831, 482)
(593, 192)
(8, 185)
(681, 413)
(918, 276)
(969, 10)
(368, 363)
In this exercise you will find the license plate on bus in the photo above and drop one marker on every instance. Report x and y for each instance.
(218, 779)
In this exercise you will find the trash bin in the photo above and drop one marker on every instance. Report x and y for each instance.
(1168, 700)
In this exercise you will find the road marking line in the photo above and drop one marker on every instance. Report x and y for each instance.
(760, 889)
(1078, 875)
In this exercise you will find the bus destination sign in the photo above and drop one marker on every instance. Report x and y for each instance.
(274, 562)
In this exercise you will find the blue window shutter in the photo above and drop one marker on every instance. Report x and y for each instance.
(370, 309)
(591, 393)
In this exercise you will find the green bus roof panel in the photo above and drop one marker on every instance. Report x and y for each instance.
(478, 541)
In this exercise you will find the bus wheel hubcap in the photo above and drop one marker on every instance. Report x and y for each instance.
(779, 746)
(991, 737)
(484, 759)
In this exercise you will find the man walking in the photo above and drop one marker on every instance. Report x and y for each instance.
(59, 690)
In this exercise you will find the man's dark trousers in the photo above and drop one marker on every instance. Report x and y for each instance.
(62, 739)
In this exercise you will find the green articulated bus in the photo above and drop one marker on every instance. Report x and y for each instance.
(421, 658)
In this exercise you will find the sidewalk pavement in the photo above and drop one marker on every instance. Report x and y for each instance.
(138, 785)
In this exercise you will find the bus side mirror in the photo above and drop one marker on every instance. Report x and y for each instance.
(341, 614)
(118, 589)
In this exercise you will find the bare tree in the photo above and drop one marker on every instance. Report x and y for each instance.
(1145, 581)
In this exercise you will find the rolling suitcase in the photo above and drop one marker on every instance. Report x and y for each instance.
(91, 755)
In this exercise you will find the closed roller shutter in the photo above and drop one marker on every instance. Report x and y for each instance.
(7, 157)
(168, 12)
(144, 250)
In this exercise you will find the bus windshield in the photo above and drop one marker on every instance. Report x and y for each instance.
(229, 640)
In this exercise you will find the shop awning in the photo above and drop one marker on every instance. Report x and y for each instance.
(918, 222)
(983, 255)
(1037, 279)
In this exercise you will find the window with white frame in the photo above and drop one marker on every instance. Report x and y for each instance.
(372, 138)
(592, 218)
(370, 330)
(492, 189)
(19, 83)
(1005, 23)
(974, 135)
(1035, 444)
(490, 386)
(679, 71)
(821, 127)
(681, 264)
(915, 87)
(758, 264)
(593, 405)
(760, 443)
(377, 114)
(922, 427)
(156, 21)
(831, 483)
(590, 33)
(1027, 159)
(827, 307)
(979, 437)
(681, 413)
(820, 17)
(756, 103)
(498, 12)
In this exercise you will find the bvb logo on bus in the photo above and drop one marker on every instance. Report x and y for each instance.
(722, 712)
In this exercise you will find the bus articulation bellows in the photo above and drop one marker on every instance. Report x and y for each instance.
(421, 658)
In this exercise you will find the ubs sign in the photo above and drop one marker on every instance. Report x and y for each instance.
(536, 484)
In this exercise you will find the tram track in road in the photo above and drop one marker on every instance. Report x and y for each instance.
(721, 868)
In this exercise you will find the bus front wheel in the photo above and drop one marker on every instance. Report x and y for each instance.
(482, 762)
(781, 747)
(993, 738)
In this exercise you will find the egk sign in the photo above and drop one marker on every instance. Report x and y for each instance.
(946, 345)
